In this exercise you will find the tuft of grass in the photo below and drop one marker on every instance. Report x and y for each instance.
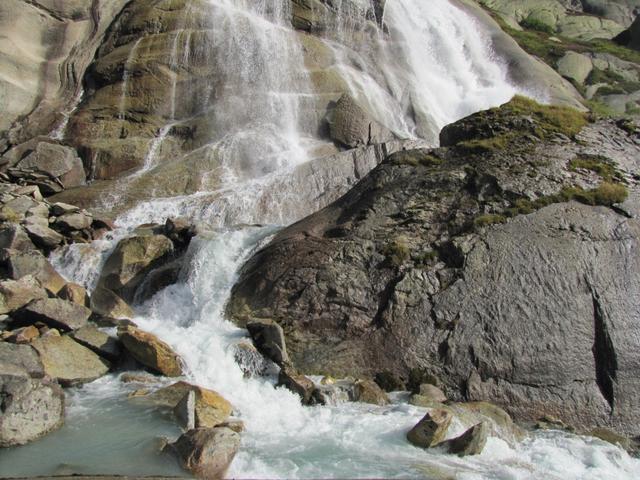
(499, 142)
(397, 252)
(596, 164)
(489, 219)
(551, 118)
(415, 158)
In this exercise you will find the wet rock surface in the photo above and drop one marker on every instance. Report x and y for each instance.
(420, 267)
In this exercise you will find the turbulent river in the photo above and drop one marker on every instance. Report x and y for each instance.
(433, 66)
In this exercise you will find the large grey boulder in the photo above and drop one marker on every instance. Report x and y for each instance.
(30, 407)
(19, 264)
(420, 267)
(15, 294)
(207, 452)
(351, 126)
(57, 161)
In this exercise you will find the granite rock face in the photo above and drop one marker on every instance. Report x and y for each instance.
(415, 268)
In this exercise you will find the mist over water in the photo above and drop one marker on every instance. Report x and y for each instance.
(431, 67)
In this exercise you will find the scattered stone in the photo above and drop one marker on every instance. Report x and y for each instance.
(74, 221)
(43, 236)
(31, 407)
(54, 312)
(131, 260)
(432, 393)
(206, 452)
(60, 208)
(98, 342)
(23, 335)
(21, 263)
(14, 237)
(185, 411)
(15, 294)
(22, 356)
(268, 337)
(150, 351)
(106, 303)
(431, 430)
(575, 66)
(471, 442)
(68, 361)
(74, 293)
(367, 391)
(296, 382)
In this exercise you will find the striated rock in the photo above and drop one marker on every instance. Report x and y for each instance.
(471, 442)
(431, 430)
(98, 342)
(54, 312)
(210, 409)
(31, 407)
(206, 452)
(74, 293)
(105, 302)
(290, 378)
(21, 356)
(15, 294)
(150, 351)
(367, 391)
(20, 264)
(69, 362)
(352, 127)
(131, 260)
(268, 338)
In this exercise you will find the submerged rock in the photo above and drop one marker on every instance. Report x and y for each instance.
(268, 338)
(206, 452)
(150, 351)
(30, 407)
(471, 442)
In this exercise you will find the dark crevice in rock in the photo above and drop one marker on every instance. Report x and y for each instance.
(604, 353)
(384, 299)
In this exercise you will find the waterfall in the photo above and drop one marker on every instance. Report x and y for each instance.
(431, 66)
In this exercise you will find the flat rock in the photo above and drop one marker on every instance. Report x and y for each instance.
(207, 452)
(15, 294)
(150, 351)
(54, 312)
(98, 342)
(74, 221)
(107, 303)
(14, 237)
(31, 408)
(69, 362)
(22, 263)
(22, 356)
(23, 335)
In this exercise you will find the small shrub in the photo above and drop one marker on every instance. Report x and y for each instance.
(535, 24)
(489, 219)
(397, 252)
(609, 193)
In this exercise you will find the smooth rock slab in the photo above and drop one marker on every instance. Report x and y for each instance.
(98, 342)
(151, 351)
(15, 294)
(31, 408)
(68, 361)
(207, 452)
(54, 312)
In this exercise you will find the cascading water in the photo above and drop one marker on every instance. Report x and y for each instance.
(430, 69)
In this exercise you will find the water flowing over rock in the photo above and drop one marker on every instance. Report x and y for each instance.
(431, 430)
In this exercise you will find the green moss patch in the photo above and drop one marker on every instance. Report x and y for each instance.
(597, 164)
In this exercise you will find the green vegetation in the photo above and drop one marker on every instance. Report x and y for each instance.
(550, 118)
(492, 144)
(595, 163)
(397, 252)
(489, 219)
(535, 24)
(425, 258)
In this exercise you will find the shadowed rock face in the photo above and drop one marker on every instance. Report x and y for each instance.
(413, 269)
